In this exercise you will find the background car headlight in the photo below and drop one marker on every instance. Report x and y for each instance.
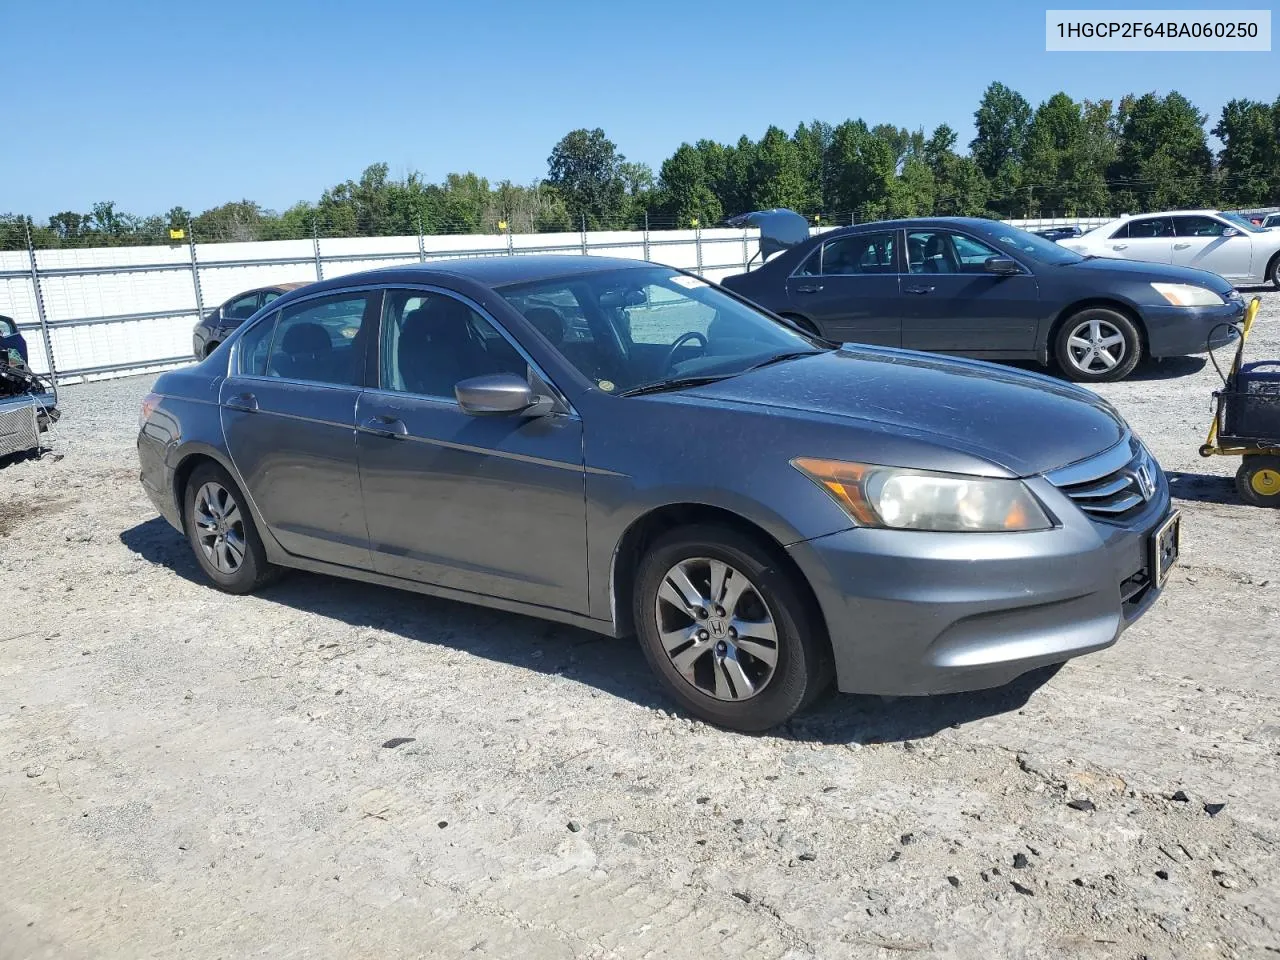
(1188, 295)
(904, 499)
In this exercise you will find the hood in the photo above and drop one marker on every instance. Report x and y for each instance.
(1024, 423)
(780, 229)
(1152, 272)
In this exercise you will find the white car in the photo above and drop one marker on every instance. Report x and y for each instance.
(1271, 221)
(1223, 243)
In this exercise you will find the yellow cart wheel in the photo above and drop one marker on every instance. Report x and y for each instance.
(1258, 480)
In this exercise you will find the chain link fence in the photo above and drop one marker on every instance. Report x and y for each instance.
(93, 312)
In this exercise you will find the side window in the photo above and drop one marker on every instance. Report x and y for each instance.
(1150, 227)
(972, 254)
(270, 295)
(812, 266)
(242, 308)
(1122, 233)
(430, 341)
(932, 251)
(319, 340)
(864, 253)
(255, 345)
(1198, 226)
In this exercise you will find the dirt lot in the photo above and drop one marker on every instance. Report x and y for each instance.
(184, 773)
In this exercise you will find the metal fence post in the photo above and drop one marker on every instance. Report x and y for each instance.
(195, 271)
(697, 245)
(746, 251)
(646, 234)
(315, 244)
(422, 247)
(584, 234)
(44, 322)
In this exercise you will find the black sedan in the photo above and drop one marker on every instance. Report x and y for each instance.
(981, 288)
(215, 325)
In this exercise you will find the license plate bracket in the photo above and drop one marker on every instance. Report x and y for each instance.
(1166, 544)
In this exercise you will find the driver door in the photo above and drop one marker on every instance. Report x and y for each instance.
(491, 505)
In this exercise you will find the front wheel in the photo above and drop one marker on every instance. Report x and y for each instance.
(730, 635)
(1275, 271)
(222, 533)
(1258, 480)
(1098, 345)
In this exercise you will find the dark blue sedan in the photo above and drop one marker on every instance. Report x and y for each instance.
(981, 288)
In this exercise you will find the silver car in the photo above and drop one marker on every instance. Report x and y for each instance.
(632, 450)
(1223, 243)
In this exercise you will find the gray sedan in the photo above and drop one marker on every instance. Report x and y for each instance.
(630, 449)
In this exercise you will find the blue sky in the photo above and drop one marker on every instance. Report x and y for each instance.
(155, 104)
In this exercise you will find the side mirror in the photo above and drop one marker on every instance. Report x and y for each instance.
(498, 394)
(1231, 232)
(1003, 266)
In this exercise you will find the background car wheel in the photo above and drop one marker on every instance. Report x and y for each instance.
(222, 534)
(732, 638)
(1097, 345)
(1258, 480)
(1274, 270)
(211, 347)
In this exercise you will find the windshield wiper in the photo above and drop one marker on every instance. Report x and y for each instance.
(675, 383)
(794, 355)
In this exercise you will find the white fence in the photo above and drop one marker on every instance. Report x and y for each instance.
(112, 311)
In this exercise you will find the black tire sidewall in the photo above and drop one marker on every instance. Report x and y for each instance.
(1127, 328)
(802, 668)
(255, 569)
(1251, 465)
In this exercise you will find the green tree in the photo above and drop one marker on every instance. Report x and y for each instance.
(685, 188)
(862, 171)
(1249, 161)
(1163, 159)
(1002, 121)
(777, 174)
(585, 167)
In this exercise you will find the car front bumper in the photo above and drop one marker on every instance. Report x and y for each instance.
(913, 613)
(1179, 331)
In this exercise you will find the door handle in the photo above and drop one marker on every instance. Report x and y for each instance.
(918, 290)
(392, 428)
(246, 402)
(1119, 246)
(811, 288)
(1181, 246)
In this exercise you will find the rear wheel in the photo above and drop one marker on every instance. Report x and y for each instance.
(808, 326)
(1258, 480)
(1097, 345)
(222, 533)
(730, 635)
(1273, 271)
(211, 347)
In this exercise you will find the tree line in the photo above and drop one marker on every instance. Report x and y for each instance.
(1062, 158)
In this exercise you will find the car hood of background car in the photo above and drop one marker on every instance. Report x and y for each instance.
(1025, 423)
(1151, 272)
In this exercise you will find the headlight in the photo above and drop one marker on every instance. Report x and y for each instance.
(1188, 295)
(905, 499)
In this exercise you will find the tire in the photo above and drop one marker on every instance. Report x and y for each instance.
(1087, 350)
(801, 654)
(211, 347)
(1273, 270)
(1258, 480)
(219, 525)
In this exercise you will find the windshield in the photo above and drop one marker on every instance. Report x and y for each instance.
(636, 327)
(1021, 243)
(1238, 221)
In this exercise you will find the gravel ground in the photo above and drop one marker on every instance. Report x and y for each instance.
(188, 773)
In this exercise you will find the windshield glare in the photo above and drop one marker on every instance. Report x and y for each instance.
(1242, 223)
(631, 328)
(1021, 243)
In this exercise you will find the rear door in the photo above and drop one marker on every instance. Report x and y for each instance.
(953, 305)
(1199, 242)
(1144, 238)
(288, 415)
(849, 287)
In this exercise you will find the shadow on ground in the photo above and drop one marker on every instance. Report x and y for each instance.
(1202, 487)
(614, 666)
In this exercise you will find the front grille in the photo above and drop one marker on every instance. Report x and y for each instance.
(1112, 486)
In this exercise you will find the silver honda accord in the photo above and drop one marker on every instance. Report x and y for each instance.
(630, 449)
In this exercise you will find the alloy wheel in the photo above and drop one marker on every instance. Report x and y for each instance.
(716, 629)
(219, 527)
(1096, 346)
